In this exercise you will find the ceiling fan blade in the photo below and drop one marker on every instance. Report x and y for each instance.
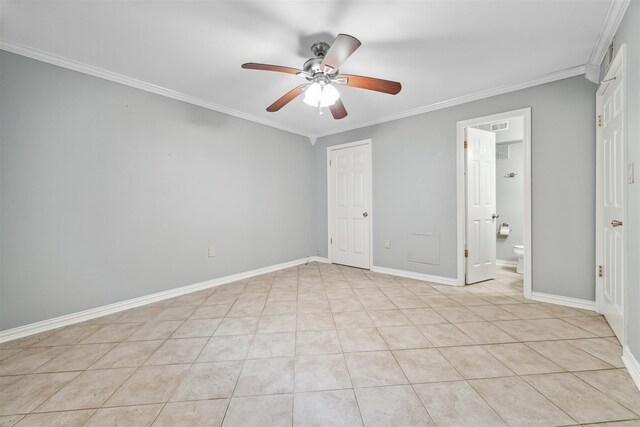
(370, 83)
(341, 49)
(267, 67)
(337, 110)
(286, 98)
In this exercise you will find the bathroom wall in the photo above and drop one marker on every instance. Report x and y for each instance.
(510, 199)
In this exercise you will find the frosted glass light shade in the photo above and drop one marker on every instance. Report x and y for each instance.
(312, 94)
(323, 95)
(329, 96)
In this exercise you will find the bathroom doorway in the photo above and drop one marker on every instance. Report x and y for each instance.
(494, 200)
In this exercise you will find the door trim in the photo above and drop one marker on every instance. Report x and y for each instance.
(618, 61)
(525, 113)
(330, 194)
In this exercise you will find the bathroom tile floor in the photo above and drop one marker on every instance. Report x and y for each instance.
(324, 345)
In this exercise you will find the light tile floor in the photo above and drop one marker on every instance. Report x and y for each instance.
(323, 345)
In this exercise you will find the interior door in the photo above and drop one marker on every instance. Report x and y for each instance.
(350, 171)
(480, 167)
(611, 186)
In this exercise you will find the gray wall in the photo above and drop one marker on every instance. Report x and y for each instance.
(414, 184)
(110, 193)
(629, 33)
(510, 200)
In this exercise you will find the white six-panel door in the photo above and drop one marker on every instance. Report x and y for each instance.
(611, 186)
(349, 199)
(481, 205)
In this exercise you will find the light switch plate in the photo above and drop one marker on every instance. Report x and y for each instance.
(387, 244)
(212, 251)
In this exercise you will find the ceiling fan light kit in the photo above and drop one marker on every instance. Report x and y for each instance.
(321, 95)
(322, 74)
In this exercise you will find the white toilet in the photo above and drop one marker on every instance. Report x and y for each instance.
(518, 250)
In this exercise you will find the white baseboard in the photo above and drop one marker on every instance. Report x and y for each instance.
(632, 365)
(506, 263)
(68, 319)
(319, 259)
(566, 301)
(452, 281)
(402, 273)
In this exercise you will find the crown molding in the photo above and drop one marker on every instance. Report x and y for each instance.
(547, 78)
(135, 83)
(617, 8)
(158, 90)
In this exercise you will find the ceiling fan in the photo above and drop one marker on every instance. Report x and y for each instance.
(322, 74)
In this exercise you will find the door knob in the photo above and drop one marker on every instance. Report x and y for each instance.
(365, 214)
(494, 216)
(616, 223)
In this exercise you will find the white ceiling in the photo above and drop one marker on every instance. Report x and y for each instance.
(438, 50)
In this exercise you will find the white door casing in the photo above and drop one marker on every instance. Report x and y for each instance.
(480, 205)
(611, 195)
(349, 175)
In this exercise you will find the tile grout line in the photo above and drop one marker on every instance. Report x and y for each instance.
(384, 286)
(526, 382)
(587, 384)
(143, 363)
(224, 417)
(87, 369)
(295, 351)
(134, 371)
(192, 364)
(411, 384)
(601, 392)
(344, 359)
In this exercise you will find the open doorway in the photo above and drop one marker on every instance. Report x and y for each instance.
(494, 199)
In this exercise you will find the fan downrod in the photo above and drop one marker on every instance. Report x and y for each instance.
(312, 66)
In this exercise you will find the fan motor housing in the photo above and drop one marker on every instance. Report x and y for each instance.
(312, 66)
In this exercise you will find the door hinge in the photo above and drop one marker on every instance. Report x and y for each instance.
(600, 271)
(600, 120)
(331, 241)
(466, 253)
(329, 163)
(465, 144)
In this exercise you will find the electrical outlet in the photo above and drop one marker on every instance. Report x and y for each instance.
(212, 251)
(387, 244)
